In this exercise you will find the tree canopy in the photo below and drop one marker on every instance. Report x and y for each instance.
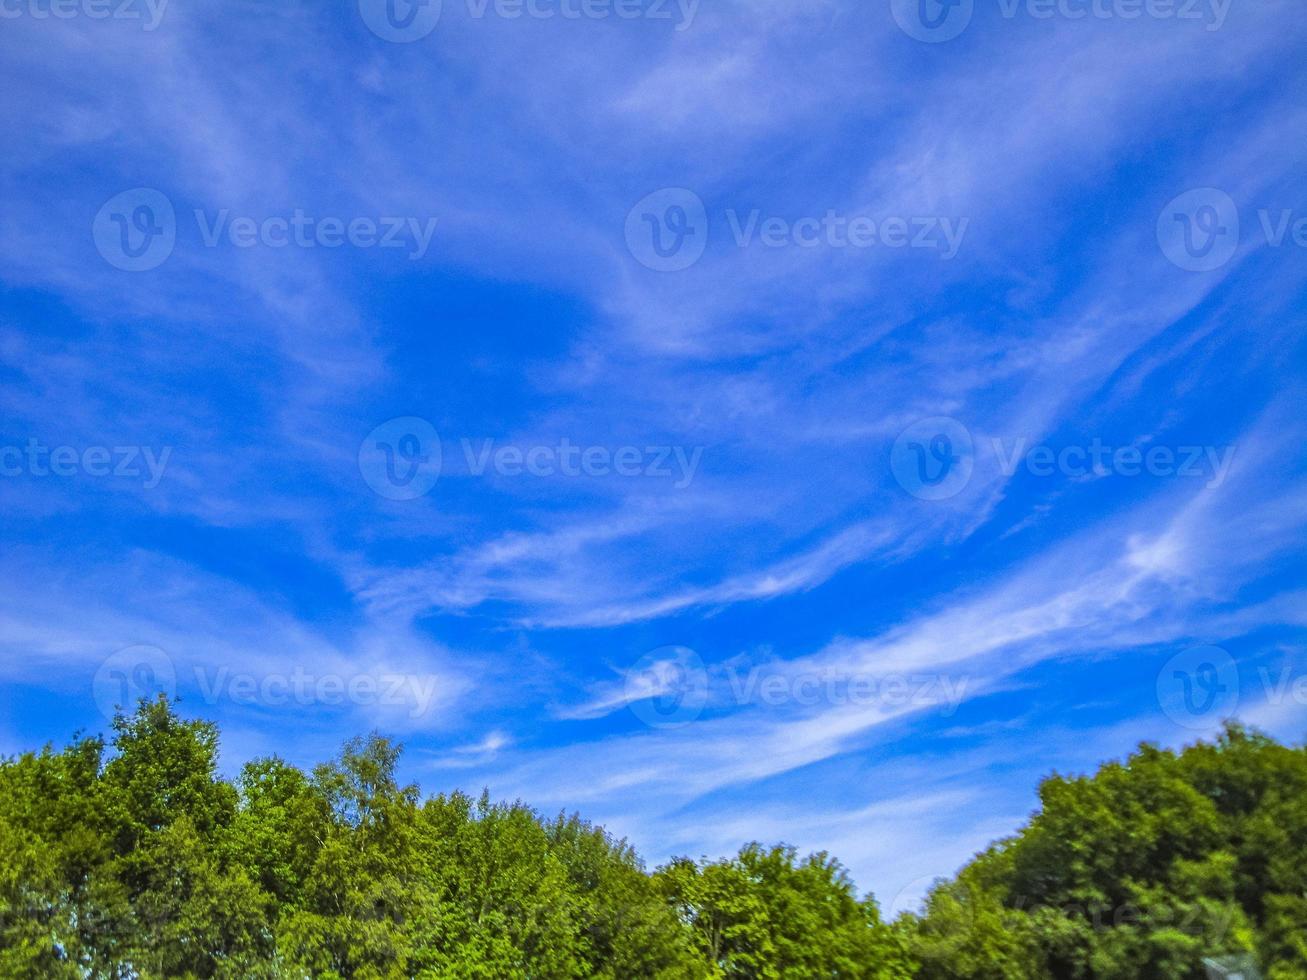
(136, 858)
(1141, 871)
(139, 860)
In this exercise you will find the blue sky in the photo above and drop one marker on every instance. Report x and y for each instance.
(788, 421)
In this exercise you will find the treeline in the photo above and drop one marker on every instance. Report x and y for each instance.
(137, 859)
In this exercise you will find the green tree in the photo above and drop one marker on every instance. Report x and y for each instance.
(138, 860)
(765, 914)
(1137, 873)
(627, 929)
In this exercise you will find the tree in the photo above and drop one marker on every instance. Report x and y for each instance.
(765, 914)
(627, 929)
(138, 860)
(1138, 873)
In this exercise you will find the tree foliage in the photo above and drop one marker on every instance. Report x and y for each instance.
(139, 860)
(1139, 872)
(136, 859)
